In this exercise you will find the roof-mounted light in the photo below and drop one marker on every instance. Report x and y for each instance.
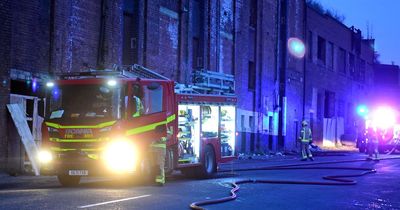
(111, 82)
(50, 84)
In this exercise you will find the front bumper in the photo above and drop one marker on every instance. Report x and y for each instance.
(66, 161)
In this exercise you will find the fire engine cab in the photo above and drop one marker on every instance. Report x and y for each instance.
(103, 123)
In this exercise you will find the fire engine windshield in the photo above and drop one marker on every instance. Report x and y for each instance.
(85, 102)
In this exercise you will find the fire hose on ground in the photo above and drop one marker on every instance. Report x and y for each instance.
(332, 179)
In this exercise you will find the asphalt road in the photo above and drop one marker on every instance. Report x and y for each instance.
(380, 190)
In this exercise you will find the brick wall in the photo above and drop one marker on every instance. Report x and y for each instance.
(78, 42)
(5, 36)
(30, 35)
(323, 77)
(255, 104)
(294, 76)
(87, 35)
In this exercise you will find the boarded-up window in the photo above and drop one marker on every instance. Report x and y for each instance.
(197, 28)
(341, 108)
(196, 61)
(352, 65)
(321, 49)
(329, 60)
(310, 46)
(362, 71)
(329, 110)
(130, 33)
(341, 61)
(253, 13)
(252, 76)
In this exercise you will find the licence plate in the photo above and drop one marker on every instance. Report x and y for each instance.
(78, 172)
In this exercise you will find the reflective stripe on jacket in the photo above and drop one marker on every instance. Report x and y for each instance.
(162, 143)
(306, 135)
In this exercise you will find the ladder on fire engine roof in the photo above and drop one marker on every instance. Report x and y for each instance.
(138, 71)
(124, 71)
(205, 82)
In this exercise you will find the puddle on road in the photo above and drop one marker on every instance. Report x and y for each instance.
(378, 203)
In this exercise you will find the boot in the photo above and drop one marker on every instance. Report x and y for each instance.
(160, 180)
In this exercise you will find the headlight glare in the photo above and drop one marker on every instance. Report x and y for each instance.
(120, 156)
(45, 156)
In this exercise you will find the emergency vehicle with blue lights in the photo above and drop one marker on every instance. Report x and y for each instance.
(383, 123)
(93, 129)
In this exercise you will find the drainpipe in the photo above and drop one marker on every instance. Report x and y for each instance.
(100, 48)
(51, 38)
(283, 9)
(260, 74)
(305, 41)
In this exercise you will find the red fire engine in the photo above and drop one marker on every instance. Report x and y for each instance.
(102, 122)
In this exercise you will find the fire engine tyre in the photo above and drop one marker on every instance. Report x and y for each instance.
(69, 181)
(146, 172)
(208, 168)
(362, 148)
(382, 149)
(169, 161)
(209, 165)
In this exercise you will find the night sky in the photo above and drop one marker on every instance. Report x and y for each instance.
(383, 18)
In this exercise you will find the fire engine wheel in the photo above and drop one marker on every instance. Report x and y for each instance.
(362, 148)
(169, 161)
(145, 173)
(208, 168)
(69, 181)
(209, 165)
(383, 149)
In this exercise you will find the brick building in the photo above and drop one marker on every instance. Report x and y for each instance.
(339, 75)
(386, 85)
(247, 39)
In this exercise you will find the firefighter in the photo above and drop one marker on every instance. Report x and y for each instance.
(138, 108)
(159, 152)
(306, 140)
(373, 143)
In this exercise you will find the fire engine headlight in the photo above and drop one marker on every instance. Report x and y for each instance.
(120, 156)
(45, 157)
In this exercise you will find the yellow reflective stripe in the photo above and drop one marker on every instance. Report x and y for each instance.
(144, 128)
(184, 160)
(170, 118)
(159, 145)
(93, 156)
(58, 149)
(92, 150)
(101, 125)
(149, 127)
(163, 139)
(74, 140)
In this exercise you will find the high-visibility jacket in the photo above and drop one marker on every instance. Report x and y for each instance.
(162, 143)
(305, 135)
(139, 107)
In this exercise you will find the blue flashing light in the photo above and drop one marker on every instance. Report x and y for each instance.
(296, 47)
(34, 85)
(55, 93)
(362, 110)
